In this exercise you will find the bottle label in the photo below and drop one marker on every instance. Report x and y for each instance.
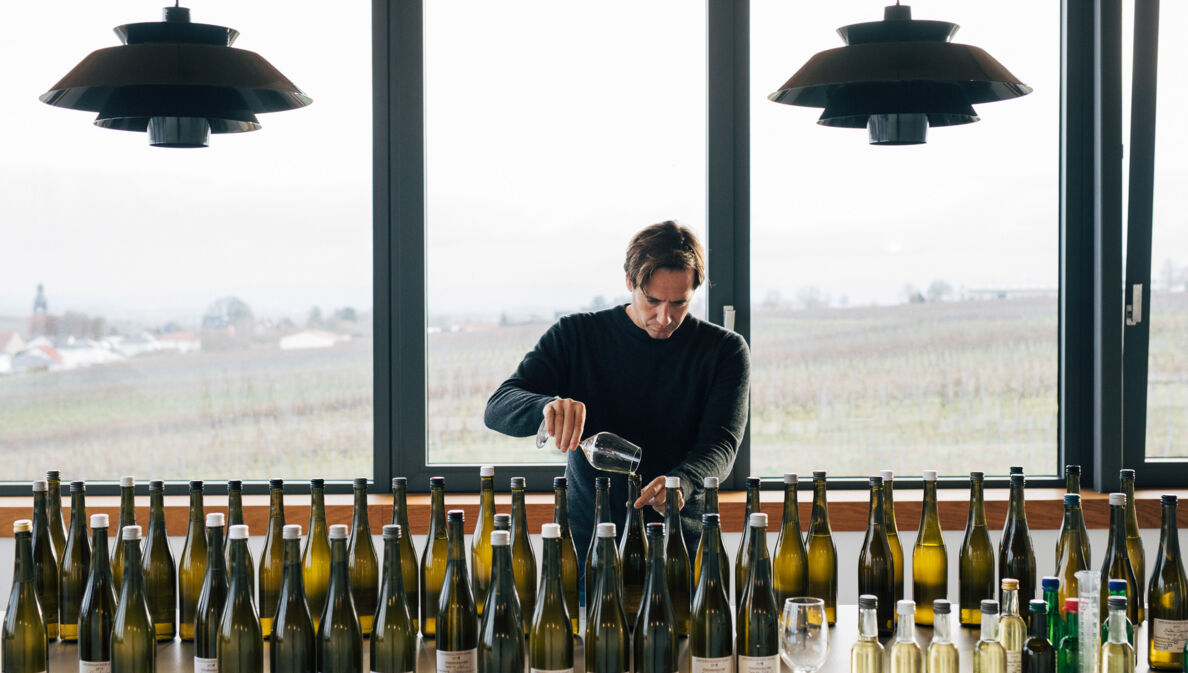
(759, 664)
(94, 666)
(1169, 635)
(202, 665)
(1014, 661)
(712, 665)
(551, 670)
(462, 661)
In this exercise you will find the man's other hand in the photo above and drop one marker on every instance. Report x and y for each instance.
(565, 419)
(654, 494)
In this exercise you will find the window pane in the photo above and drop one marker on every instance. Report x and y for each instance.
(207, 312)
(905, 298)
(554, 131)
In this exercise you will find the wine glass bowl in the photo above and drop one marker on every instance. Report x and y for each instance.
(804, 634)
(605, 451)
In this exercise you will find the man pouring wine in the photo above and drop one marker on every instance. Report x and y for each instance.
(647, 371)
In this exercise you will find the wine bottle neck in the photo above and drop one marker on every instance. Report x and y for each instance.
(561, 508)
(78, 512)
(905, 629)
(1169, 532)
(868, 624)
(942, 626)
(791, 515)
(455, 549)
(127, 506)
(24, 557)
(214, 550)
(989, 626)
(711, 500)
(197, 512)
(602, 505)
(234, 508)
(132, 580)
(99, 559)
(360, 520)
(317, 506)
(1117, 541)
(1010, 602)
(977, 504)
(400, 508)
(519, 514)
(40, 517)
(437, 515)
(1117, 626)
(672, 511)
(711, 537)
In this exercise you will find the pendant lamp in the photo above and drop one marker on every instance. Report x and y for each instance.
(177, 80)
(897, 77)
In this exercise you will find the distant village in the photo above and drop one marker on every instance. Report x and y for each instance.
(71, 340)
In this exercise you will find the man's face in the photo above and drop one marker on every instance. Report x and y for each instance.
(659, 306)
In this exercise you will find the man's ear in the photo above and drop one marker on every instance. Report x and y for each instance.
(630, 287)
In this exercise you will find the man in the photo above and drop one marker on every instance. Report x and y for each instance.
(649, 372)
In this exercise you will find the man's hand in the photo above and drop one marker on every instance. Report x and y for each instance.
(565, 419)
(654, 494)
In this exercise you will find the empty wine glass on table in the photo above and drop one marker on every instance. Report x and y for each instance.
(605, 450)
(804, 634)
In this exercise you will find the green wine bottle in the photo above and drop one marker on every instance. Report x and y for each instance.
(74, 564)
(676, 557)
(711, 485)
(211, 599)
(57, 523)
(741, 558)
(133, 633)
(711, 621)
(975, 563)
(606, 628)
(362, 562)
(45, 561)
(315, 553)
(340, 638)
(241, 642)
(408, 555)
(822, 552)
(791, 560)
(434, 558)
(1038, 654)
(1016, 554)
(1116, 564)
(1072, 484)
(457, 622)
(550, 640)
(192, 567)
(602, 514)
(97, 614)
(272, 558)
(876, 562)
(1134, 545)
(1053, 621)
(655, 641)
(1167, 596)
(480, 542)
(1068, 654)
(569, 560)
(758, 619)
(294, 640)
(501, 630)
(393, 634)
(930, 559)
(1071, 561)
(633, 552)
(893, 538)
(522, 557)
(127, 518)
(235, 518)
(22, 641)
(159, 574)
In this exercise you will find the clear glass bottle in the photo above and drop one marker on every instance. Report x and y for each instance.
(1117, 588)
(975, 564)
(867, 654)
(1117, 653)
(1012, 630)
(790, 562)
(893, 539)
(942, 653)
(569, 559)
(989, 655)
(906, 655)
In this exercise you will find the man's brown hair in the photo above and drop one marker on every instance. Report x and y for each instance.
(666, 245)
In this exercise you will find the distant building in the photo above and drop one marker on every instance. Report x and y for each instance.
(180, 342)
(311, 338)
(39, 356)
(11, 342)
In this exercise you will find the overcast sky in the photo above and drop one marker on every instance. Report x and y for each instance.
(554, 131)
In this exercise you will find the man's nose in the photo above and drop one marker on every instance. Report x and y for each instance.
(664, 316)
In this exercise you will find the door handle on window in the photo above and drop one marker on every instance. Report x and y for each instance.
(728, 317)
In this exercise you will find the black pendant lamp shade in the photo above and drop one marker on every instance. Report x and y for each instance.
(897, 77)
(177, 80)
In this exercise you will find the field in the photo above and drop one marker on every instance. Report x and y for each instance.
(950, 386)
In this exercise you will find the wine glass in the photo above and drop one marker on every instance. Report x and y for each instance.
(804, 634)
(605, 450)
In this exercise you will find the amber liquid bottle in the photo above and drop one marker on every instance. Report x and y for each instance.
(633, 553)
(822, 552)
(975, 569)
(1167, 596)
(127, 518)
(272, 558)
(893, 537)
(362, 561)
(158, 571)
(876, 565)
(192, 565)
(74, 565)
(711, 485)
(433, 559)
(45, 561)
(741, 560)
(930, 559)
(409, 567)
(480, 543)
(791, 559)
(315, 553)
(568, 558)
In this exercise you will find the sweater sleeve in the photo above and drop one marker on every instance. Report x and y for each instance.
(517, 405)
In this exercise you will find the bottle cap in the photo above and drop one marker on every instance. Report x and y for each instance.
(941, 606)
(276, 483)
(1117, 499)
(550, 531)
(40, 486)
(399, 483)
(132, 532)
(886, 475)
(22, 526)
(500, 538)
(710, 519)
(1116, 585)
(214, 520)
(1050, 583)
(360, 482)
(989, 606)
(99, 521)
(337, 532)
(291, 531)
(1072, 469)
(1071, 499)
(1126, 474)
(672, 482)
(753, 482)
(790, 478)
(868, 602)
(710, 482)
(317, 483)
(502, 521)
(456, 515)
(1010, 584)
(905, 607)
(487, 471)
(156, 485)
(1037, 606)
(758, 520)
(78, 487)
(1167, 499)
(977, 476)
(560, 482)
(657, 529)
(601, 482)
(818, 474)
(1016, 469)
(53, 475)
(1117, 602)
(436, 482)
(519, 482)
(127, 482)
(232, 485)
(1072, 606)
(391, 531)
(875, 480)
(929, 475)
(195, 484)
(606, 530)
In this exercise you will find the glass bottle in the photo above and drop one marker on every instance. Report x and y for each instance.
(235, 518)
(434, 558)
(480, 541)
(791, 560)
(942, 653)
(1038, 654)
(1071, 560)
(1053, 620)
(503, 522)
(45, 561)
(315, 552)
(212, 598)
(241, 643)
(523, 558)
(1117, 654)
(569, 559)
(602, 514)
(294, 642)
(550, 639)
(74, 565)
(408, 555)
(340, 638)
(757, 643)
(676, 557)
(1134, 546)
(711, 619)
(655, 641)
(1067, 654)
(393, 647)
(158, 571)
(1016, 554)
(1167, 597)
(97, 614)
(362, 562)
(930, 559)
(822, 552)
(133, 630)
(23, 645)
(192, 565)
(1072, 484)
(633, 552)
(127, 518)
(457, 623)
(1012, 631)
(1117, 588)
(606, 646)
(741, 558)
(975, 564)
(989, 655)
(501, 629)
(876, 573)
(906, 655)
(57, 525)
(711, 485)
(892, 529)
(1116, 563)
(867, 654)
